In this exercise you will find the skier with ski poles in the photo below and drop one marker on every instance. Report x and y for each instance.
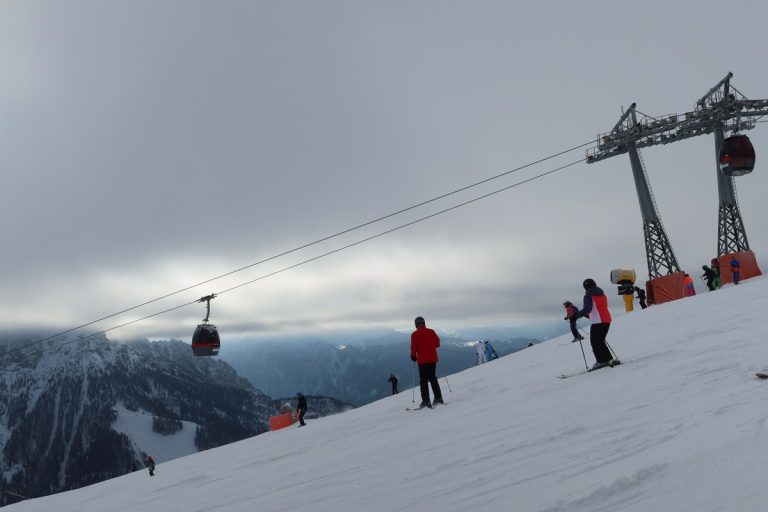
(596, 309)
(424, 345)
(570, 310)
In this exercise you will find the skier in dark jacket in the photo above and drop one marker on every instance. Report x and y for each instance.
(393, 380)
(151, 465)
(641, 297)
(301, 408)
(596, 309)
(709, 276)
(424, 345)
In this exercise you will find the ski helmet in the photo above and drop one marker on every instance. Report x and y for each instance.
(299, 394)
(419, 320)
(589, 283)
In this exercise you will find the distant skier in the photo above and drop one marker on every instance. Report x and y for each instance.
(735, 270)
(301, 408)
(393, 380)
(480, 350)
(151, 465)
(641, 297)
(596, 309)
(490, 352)
(709, 276)
(571, 310)
(688, 289)
(424, 345)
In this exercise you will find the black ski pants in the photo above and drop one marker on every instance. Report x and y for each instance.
(597, 334)
(575, 329)
(427, 377)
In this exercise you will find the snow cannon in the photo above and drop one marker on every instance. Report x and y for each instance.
(620, 275)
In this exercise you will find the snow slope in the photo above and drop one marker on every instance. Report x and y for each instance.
(138, 427)
(681, 426)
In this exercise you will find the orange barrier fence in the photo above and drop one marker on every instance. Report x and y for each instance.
(748, 264)
(665, 288)
(283, 420)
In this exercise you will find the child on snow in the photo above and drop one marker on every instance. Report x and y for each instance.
(570, 311)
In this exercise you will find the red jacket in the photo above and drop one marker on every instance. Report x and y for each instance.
(424, 343)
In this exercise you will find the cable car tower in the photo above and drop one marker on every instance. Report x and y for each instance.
(722, 109)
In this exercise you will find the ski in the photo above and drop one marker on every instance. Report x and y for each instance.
(613, 363)
(425, 407)
(568, 375)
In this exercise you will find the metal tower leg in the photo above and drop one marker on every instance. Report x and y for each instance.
(661, 259)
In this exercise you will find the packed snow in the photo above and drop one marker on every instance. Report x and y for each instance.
(680, 426)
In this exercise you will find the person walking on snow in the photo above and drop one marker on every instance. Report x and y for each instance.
(641, 297)
(735, 270)
(709, 276)
(151, 465)
(393, 380)
(301, 408)
(424, 345)
(571, 310)
(490, 352)
(596, 309)
(689, 290)
(480, 349)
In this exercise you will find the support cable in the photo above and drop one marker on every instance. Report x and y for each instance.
(319, 240)
(304, 262)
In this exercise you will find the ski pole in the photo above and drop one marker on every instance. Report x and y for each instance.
(446, 381)
(583, 355)
(609, 348)
(413, 389)
(612, 352)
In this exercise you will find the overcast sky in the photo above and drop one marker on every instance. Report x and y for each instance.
(146, 146)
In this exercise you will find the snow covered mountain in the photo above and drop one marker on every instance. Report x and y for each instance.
(355, 372)
(679, 427)
(91, 409)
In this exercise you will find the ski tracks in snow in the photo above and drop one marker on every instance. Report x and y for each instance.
(615, 495)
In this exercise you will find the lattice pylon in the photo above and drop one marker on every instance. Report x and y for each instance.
(731, 236)
(658, 251)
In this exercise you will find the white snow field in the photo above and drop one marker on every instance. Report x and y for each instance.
(682, 425)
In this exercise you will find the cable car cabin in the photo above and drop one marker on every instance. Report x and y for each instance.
(737, 156)
(205, 341)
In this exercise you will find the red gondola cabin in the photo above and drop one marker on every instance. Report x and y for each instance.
(737, 156)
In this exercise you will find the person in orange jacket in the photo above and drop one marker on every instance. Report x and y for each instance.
(689, 290)
(424, 345)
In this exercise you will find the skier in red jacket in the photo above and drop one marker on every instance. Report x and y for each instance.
(424, 344)
(596, 309)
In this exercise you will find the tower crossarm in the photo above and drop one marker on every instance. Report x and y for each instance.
(728, 111)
